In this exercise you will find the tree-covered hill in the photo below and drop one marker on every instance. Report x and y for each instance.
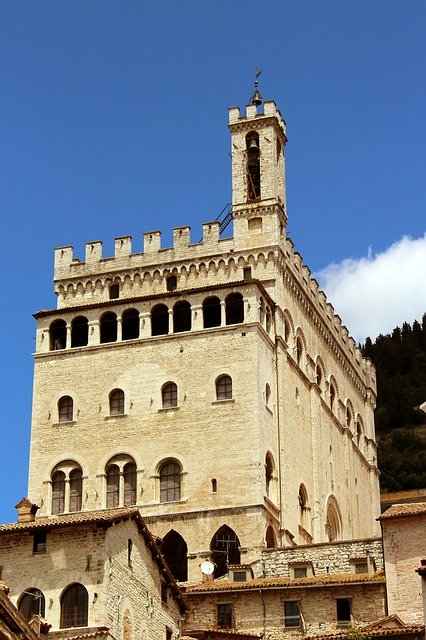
(400, 361)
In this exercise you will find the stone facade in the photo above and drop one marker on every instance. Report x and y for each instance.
(286, 454)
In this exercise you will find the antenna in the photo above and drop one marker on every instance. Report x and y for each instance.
(256, 98)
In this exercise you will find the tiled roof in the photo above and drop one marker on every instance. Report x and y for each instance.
(385, 631)
(322, 580)
(107, 516)
(225, 633)
(402, 510)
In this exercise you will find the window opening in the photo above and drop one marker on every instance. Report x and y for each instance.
(58, 335)
(267, 394)
(116, 402)
(225, 550)
(130, 324)
(159, 320)
(299, 351)
(234, 308)
(114, 291)
(39, 542)
(332, 397)
(214, 485)
(253, 166)
(360, 566)
(108, 327)
(255, 224)
(79, 332)
(240, 576)
(74, 607)
(76, 489)
(343, 608)
(113, 486)
(224, 616)
(58, 492)
(175, 550)
(181, 317)
(31, 603)
(65, 409)
(211, 312)
(164, 593)
(169, 395)
(270, 538)
(129, 473)
(269, 471)
(300, 572)
(129, 552)
(171, 283)
(268, 319)
(170, 481)
(291, 614)
(247, 273)
(224, 388)
(287, 330)
(318, 375)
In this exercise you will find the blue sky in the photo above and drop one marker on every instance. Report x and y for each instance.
(113, 121)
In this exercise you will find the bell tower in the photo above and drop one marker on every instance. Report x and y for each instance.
(258, 141)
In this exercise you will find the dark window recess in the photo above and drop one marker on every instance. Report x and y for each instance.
(32, 602)
(253, 166)
(225, 550)
(300, 572)
(343, 609)
(269, 472)
(175, 550)
(79, 332)
(65, 409)
(169, 634)
(361, 566)
(225, 616)
(234, 307)
(169, 395)
(211, 312)
(74, 607)
(113, 486)
(181, 317)
(224, 388)
(116, 402)
(291, 614)
(270, 538)
(58, 335)
(240, 576)
(76, 489)
(160, 320)
(130, 324)
(214, 485)
(129, 551)
(129, 473)
(58, 492)
(247, 273)
(170, 478)
(114, 291)
(108, 325)
(39, 542)
(164, 593)
(171, 283)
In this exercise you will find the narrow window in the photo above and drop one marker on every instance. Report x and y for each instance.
(129, 473)
(224, 388)
(267, 394)
(114, 291)
(234, 308)
(268, 320)
(159, 320)
(214, 485)
(343, 609)
(65, 409)
(74, 607)
(58, 492)
(181, 317)
(271, 541)
(211, 312)
(319, 375)
(31, 603)
(58, 335)
(79, 332)
(129, 552)
(76, 489)
(287, 330)
(291, 614)
(164, 593)
(253, 166)
(130, 324)
(108, 327)
(169, 634)
(113, 486)
(225, 616)
(170, 480)
(332, 397)
(39, 542)
(169, 395)
(116, 402)
(299, 351)
(171, 283)
(269, 472)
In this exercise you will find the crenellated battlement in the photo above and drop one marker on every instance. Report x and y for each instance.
(252, 112)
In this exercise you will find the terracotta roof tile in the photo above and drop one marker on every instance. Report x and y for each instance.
(323, 580)
(385, 631)
(402, 510)
(82, 517)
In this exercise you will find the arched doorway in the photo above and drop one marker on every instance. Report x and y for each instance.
(174, 550)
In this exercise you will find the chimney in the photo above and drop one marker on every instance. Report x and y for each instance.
(26, 510)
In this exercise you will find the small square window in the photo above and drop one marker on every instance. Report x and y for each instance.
(291, 614)
(240, 576)
(114, 291)
(343, 610)
(39, 542)
(360, 566)
(171, 283)
(300, 572)
(224, 616)
(247, 273)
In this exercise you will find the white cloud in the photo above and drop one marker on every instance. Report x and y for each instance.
(376, 293)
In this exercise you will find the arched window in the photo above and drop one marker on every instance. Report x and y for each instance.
(170, 481)
(287, 330)
(181, 317)
(224, 388)
(234, 308)
(58, 335)
(79, 332)
(304, 508)
(58, 492)
(31, 603)
(74, 606)
(175, 550)
(129, 474)
(271, 540)
(159, 320)
(267, 394)
(253, 166)
(319, 376)
(333, 526)
(76, 489)
(214, 485)
(112, 486)
(130, 324)
(332, 397)
(169, 397)
(358, 434)
(268, 319)
(269, 472)
(211, 312)
(225, 550)
(116, 402)
(65, 409)
(349, 417)
(299, 351)
(108, 325)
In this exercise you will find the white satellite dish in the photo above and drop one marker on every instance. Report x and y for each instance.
(207, 567)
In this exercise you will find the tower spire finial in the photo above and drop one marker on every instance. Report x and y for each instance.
(256, 98)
